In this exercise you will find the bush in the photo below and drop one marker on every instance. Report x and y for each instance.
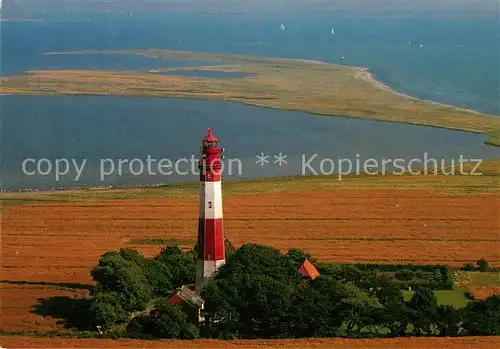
(419, 274)
(468, 267)
(165, 321)
(116, 274)
(297, 257)
(404, 275)
(258, 293)
(132, 255)
(106, 310)
(396, 267)
(182, 266)
(159, 276)
(482, 317)
(248, 305)
(261, 260)
(139, 327)
(348, 273)
(469, 295)
(482, 265)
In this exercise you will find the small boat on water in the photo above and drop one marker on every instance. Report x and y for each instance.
(282, 27)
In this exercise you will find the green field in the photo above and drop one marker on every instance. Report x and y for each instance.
(459, 184)
(486, 278)
(494, 138)
(455, 298)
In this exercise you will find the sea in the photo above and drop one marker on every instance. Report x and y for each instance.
(50, 142)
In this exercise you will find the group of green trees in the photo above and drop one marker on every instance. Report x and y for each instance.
(258, 293)
(481, 265)
(411, 276)
(127, 283)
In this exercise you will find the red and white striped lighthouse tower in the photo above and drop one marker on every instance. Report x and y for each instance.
(211, 254)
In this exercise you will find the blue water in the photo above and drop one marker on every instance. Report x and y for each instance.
(63, 127)
(457, 64)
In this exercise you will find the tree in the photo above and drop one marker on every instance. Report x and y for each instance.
(482, 317)
(221, 309)
(354, 306)
(132, 255)
(116, 274)
(396, 316)
(106, 310)
(139, 327)
(468, 267)
(159, 277)
(448, 321)
(387, 292)
(182, 266)
(423, 306)
(482, 265)
(297, 257)
(350, 273)
(327, 307)
(248, 306)
(419, 274)
(394, 313)
(158, 274)
(316, 311)
(166, 320)
(438, 276)
(469, 295)
(404, 275)
(257, 259)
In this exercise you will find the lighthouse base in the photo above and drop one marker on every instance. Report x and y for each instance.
(204, 271)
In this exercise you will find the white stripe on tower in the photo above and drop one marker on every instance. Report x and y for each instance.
(213, 200)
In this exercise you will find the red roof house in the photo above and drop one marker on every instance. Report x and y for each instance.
(191, 303)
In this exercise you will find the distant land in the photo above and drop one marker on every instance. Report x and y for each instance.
(291, 84)
(14, 19)
(353, 8)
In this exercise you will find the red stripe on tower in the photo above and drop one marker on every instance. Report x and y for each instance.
(211, 254)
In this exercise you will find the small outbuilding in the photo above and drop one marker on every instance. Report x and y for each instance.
(189, 302)
(308, 270)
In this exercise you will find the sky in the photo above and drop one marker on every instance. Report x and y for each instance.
(490, 7)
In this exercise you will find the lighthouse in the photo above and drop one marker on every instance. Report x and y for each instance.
(211, 253)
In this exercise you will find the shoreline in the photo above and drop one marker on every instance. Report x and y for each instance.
(368, 76)
(313, 113)
(315, 67)
(362, 73)
(88, 188)
(11, 20)
(491, 162)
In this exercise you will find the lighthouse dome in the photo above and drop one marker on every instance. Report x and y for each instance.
(210, 137)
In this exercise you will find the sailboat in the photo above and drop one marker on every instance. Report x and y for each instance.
(282, 27)
(333, 31)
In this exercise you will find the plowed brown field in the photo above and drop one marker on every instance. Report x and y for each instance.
(60, 242)
(18, 306)
(482, 292)
(412, 343)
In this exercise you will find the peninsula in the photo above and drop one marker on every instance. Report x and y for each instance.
(292, 84)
